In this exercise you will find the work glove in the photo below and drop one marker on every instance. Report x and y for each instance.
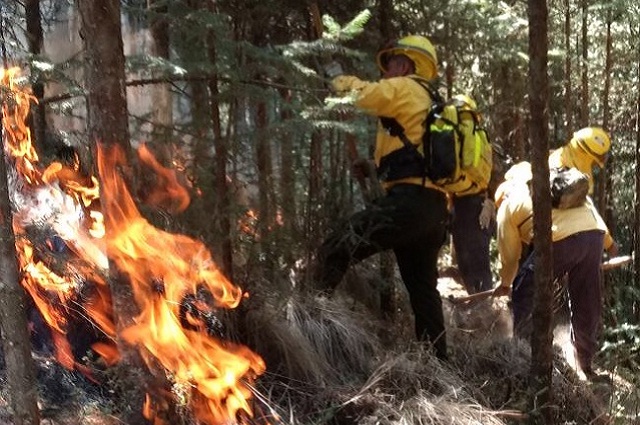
(613, 250)
(501, 291)
(333, 69)
(360, 168)
(487, 213)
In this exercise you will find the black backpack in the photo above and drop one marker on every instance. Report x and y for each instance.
(569, 187)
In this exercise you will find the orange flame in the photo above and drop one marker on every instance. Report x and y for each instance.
(17, 133)
(168, 192)
(167, 272)
(50, 291)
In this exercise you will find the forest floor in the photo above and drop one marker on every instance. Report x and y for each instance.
(330, 361)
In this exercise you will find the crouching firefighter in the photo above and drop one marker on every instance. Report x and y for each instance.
(411, 217)
(579, 236)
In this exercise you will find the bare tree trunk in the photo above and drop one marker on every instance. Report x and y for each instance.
(220, 141)
(37, 121)
(542, 336)
(568, 89)
(314, 199)
(385, 15)
(604, 195)
(636, 221)
(265, 179)
(107, 124)
(107, 117)
(107, 120)
(449, 71)
(13, 321)
(584, 100)
(287, 180)
(161, 93)
(3, 41)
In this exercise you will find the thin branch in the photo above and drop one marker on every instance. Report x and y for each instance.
(163, 80)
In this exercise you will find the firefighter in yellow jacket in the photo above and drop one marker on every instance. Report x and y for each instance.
(472, 227)
(411, 217)
(579, 236)
(587, 149)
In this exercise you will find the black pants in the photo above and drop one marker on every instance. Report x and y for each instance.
(411, 220)
(472, 242)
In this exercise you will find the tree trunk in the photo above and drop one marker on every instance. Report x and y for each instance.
(568, 90)
(314, 199)
(542, 337)
(107, 124)
(224, 205)
(584, 100)
(162, 103)
(604, 196)
(265, 178)
(3, 40)
(385, 15)
(107, 119)
(13, 321)
(287, 181)
(37, 118)
(636, 221)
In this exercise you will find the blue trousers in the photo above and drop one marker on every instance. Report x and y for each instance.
(578, 257)
(410, 220)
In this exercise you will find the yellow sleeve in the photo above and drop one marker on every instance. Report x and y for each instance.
(509, 244)
(389, 97)
(346, 83)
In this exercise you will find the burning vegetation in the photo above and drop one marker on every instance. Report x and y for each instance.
(87, 223)
(329, 360)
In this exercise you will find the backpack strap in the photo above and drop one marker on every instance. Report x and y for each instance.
(395, 128)
(429, 87)
(409, 156)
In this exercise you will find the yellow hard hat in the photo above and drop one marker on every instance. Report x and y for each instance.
(593, 142)
(466, 101)
(417, 48)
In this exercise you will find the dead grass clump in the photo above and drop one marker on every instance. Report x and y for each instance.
(313, 339)
(413, 387)
(424, 409)
(499, 370)
(325, 365)
(316, 351)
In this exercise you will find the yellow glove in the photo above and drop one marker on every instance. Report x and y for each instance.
(343, 83)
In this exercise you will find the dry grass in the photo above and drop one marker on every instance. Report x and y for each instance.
(326, 364)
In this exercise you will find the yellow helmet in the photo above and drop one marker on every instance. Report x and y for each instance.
(593, 142)
(465, 101)
(417, 48)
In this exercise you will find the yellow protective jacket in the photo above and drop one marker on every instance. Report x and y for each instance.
(401, 98)
(568, 157)
(515, 227)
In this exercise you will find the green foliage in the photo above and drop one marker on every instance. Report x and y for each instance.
(333, 31)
